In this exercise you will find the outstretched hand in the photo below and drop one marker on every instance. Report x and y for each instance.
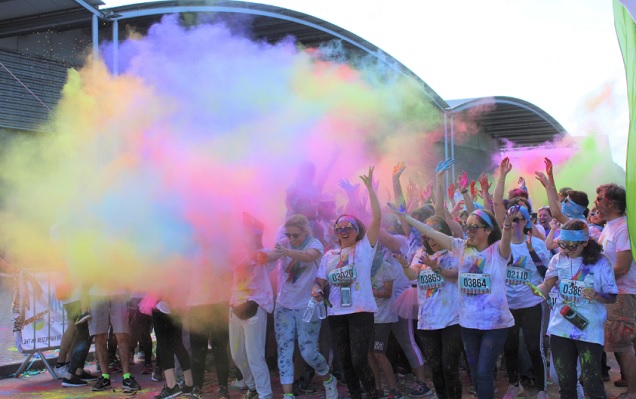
(483, 182)
(368, 179)
(542, 178)
(399, 211)
(505, 166)
(462, 181)
(398, 169)
(443, 166)
(347, 186)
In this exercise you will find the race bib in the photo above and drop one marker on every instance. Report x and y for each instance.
(429, 280)
(517, 276)
(552, 299)
(571, 290)
(474, 283)
(343, 276)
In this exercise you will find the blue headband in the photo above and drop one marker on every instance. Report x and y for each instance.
(526, 215)
(350, 219)
(574, 235)
(484, 216)
(572, 210)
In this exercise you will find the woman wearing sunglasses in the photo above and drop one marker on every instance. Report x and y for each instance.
(300, 254)
(483, 308)
(586, 283)
(347, 271)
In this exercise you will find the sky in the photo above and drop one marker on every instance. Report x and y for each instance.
(561, 55)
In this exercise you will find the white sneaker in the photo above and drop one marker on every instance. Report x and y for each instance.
(514, 391)
(542, 395)
(61, 371)
(238, 385)
(331, 388)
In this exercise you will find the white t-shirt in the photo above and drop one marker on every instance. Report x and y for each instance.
(523, 269)
(482, 289)
(437, 297)
(294, 291)
(401, 283)
(251, 281)
(573, 276)
(357, 261)
(385, 273)
(615, 238)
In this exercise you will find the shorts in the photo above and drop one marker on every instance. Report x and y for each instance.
(620, 327)
(380, 339)
(106, 311)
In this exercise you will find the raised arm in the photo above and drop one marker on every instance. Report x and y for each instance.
(462, 181)
(500, 209)
(485, 194)
(440, 238)
(397, 186)
(547, 180)
(506, 234)
(440, 170)
(373, 231)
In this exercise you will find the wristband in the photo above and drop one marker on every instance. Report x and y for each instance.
(464, 192)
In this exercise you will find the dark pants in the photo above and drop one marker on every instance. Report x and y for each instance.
(442, 349)
(565, 353)
(529, 319)
(169, 342)
(140, 327)
(82, 342)
(352, 335)
(483, 347)
(209, 323)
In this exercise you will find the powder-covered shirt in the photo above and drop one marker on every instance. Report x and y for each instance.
(437, 297)
(386, 272)
(251, 282)
(521, 270)
(355, 260)
(482, 289)
(615, 238)
(573, 276)
(294, 289)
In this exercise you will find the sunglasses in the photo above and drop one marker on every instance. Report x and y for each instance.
(344, 230)
(471, 228)
(292, 235)
(569, 245)
(593, 213)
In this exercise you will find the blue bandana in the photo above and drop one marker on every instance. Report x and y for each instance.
(484, 216)
(572, 210)
(574, 235)
(526, 215)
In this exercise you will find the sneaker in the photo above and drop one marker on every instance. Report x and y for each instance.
(238, 385)
(131, 385)
(542, 395)
(331, 388)
(157, 374)
(163, 307)
(74, 381)
(147, 369)
(224, 393)
(250, 394)
(169, 392)
(83, 318)
(61, 370)
(86, 376)
(195, 393)
(514, 391)
(301, 386)
(101, 384)
(419, 390)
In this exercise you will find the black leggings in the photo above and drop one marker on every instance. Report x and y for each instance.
(209, 322)
(442, 349)
(140, 327)
(352, 334)
(169, 342)
(565, 353)
(530, 320)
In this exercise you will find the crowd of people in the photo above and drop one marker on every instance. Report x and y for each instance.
(355, 291)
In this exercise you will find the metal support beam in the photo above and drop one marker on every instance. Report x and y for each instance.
(95, 34)
(115, 47)
(90, 8)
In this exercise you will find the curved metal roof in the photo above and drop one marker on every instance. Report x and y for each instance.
(512, 119)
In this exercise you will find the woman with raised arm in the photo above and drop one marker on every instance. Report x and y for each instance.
(528, 266)
(586, 283)
(347, 271)
(483, 308)
(572, 207)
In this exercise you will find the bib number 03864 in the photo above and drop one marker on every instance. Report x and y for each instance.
(475, 283)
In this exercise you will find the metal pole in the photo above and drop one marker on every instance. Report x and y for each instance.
(95, 30)
(446, 141)
(452, 141)
(116, 47)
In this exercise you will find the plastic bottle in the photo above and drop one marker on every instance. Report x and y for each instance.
(309, 312)
(589, 282)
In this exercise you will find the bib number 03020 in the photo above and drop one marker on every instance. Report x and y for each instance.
(475, 283)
